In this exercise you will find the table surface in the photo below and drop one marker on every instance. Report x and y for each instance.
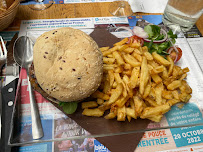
(78, 10)
(74, 11)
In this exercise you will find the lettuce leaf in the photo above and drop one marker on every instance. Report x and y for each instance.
(69, 107)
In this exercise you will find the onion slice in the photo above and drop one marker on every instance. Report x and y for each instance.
(138, 31)
(124, 28)
(159, 41)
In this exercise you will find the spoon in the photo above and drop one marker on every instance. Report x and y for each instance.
(23, 56)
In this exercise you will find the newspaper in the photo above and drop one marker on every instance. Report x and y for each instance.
(174, 139)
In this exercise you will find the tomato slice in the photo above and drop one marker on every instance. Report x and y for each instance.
(174, 54)
(136, 39)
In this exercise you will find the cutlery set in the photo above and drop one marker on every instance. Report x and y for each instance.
(23, 56)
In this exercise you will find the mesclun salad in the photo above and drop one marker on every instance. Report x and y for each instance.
(156, 39)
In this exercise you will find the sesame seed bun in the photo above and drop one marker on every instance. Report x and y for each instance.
(68, 64)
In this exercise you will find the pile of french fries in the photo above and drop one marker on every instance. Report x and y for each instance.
(137, 84)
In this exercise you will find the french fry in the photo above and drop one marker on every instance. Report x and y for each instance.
(174, 85)
(109, 56)
(164, 74)
(134, 77)
(118, 69)
(170, 69)
(100, 101)
(93, 112)
(108, 60)
(157, 70)
(150, 67)
(158, 92)
(121, 102)
(118, 78)
(168, 81)
(156, 118)
(147, 90)
(137, 56)
(184, 97)
(129, 118)
(111, 115)
(127, 66)
(128, 50)
(160, 59)
(152, 94)
(109, 51)
(175, 94)
(107, 87)
(138, 51)
(153, 63)
(131, 112)
(185, 70)
(175, 72)
(139, 104)
(151, 102)
(109, 66)
(123, 41)
(122, 47)
(118, 58)
(144, 76)
(116, 94)
(183, 76)
(121, 114)
(135, 45)
(144, 49)
(167, 94)
(185, 87)
(126, 80)
(104, 106)
(131, 60)
(153, 111)
(114, 85)
(102, 49)
(173, 101)
(100, 95)
(156, 78)
(148, 56)
(89, 104)
(127, 72)
(111, 77)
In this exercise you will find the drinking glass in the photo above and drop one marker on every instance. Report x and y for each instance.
(40, 4)
(182, 14)
(120, 8)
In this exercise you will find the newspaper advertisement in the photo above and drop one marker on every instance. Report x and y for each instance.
(165, 140)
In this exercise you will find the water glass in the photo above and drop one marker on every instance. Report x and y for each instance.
(182, 14)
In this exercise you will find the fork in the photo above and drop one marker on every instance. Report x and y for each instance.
(3, 53)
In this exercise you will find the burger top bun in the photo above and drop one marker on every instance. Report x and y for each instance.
(68, 64)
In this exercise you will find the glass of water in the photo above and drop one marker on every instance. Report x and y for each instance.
(182, 14)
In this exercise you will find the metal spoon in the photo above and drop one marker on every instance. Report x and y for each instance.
(23, 55)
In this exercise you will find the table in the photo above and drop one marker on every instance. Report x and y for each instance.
(73, 11)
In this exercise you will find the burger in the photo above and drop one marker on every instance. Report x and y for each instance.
(67, 66)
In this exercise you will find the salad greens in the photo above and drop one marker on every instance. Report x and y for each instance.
(69, 107)
(154, 33)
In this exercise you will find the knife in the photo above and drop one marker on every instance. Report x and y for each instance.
(11, 69)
